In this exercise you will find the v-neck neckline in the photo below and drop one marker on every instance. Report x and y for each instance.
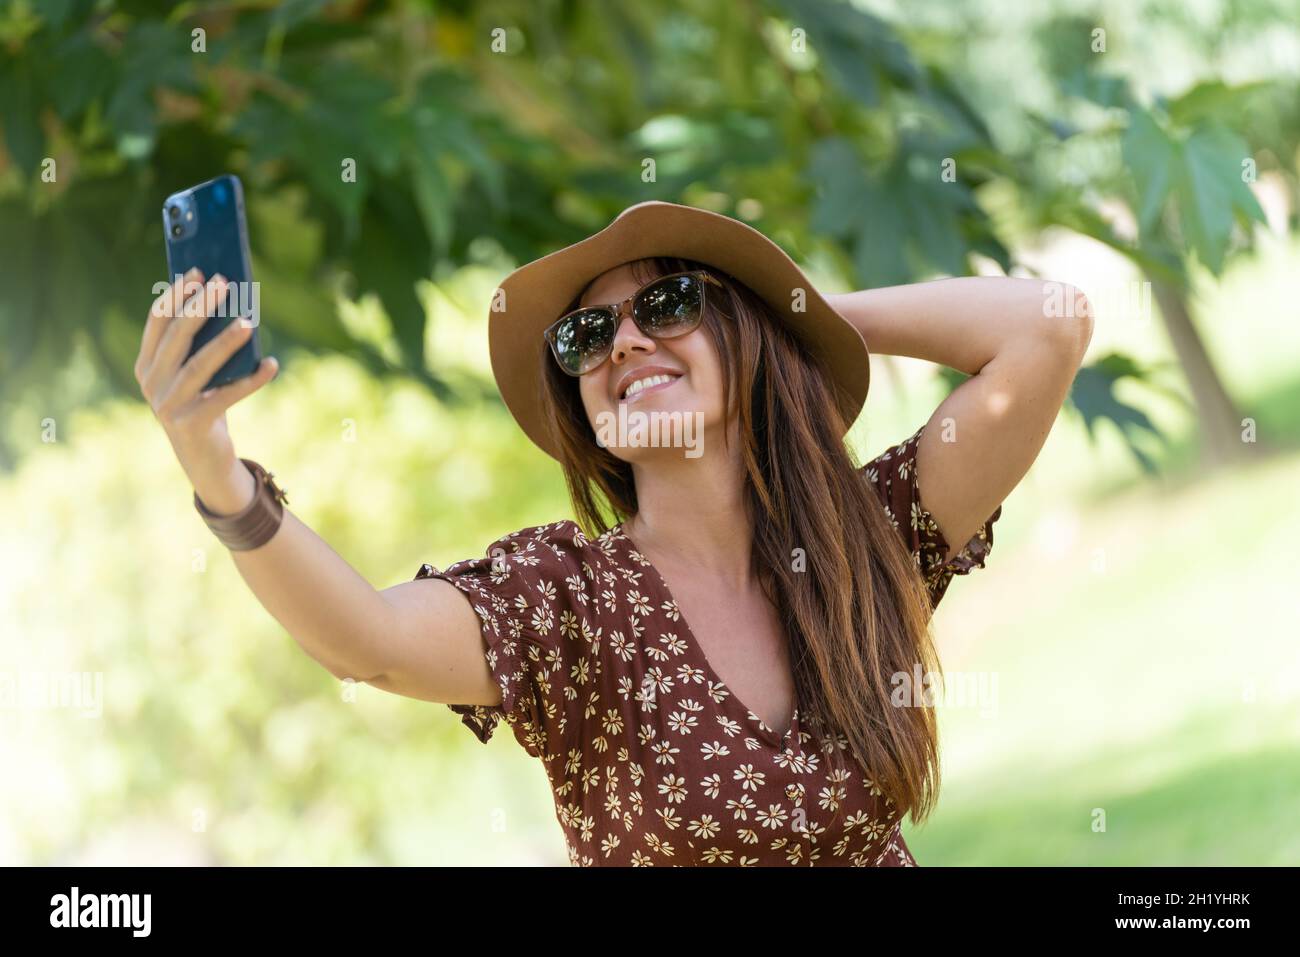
(785, 741)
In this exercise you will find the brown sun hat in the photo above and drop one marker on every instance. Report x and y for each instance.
(535, 295)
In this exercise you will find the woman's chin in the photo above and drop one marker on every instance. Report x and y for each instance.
(637, 430)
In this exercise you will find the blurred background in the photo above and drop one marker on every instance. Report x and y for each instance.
(1138, 618)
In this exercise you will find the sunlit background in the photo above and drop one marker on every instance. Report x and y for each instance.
(1138, 613)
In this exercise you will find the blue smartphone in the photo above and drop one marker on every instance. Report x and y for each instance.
(205, 227)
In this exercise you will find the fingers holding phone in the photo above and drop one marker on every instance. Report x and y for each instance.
(216, 400)
(200, 352)
(168, 305)
(166, 346)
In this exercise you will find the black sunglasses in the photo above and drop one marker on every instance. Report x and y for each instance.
(663, 308)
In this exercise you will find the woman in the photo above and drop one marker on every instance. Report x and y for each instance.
(721, 675)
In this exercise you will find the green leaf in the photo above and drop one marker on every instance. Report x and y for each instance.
(1093, 397)
(20, 108)
(80, 67)
(882, 235)
(1212, 100)
(391, 254)
(1212, 193)
(1099, 88)
(434, 200)
(840, 204)
(859, 50)
(1153, 159)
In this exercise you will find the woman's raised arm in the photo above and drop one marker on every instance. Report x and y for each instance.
(421, 640)
(1019, 340)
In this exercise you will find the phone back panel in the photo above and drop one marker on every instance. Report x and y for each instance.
(216, 240)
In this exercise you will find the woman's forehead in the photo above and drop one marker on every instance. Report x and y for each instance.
(615, 284)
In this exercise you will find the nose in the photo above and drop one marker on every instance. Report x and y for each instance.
(629, 340)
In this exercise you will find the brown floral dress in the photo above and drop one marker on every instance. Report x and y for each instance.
(651, 759)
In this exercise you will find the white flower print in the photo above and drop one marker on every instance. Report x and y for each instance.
(639, 602)
(543, 619)
(775, 816)
(577, 588)
(718, 691)
(658, 845)
(714, 749)
(662, 683)
(682, 722)
(749, 778)
(740, 806)
(673, 644)
(569, 626)
(668, 816)
(730, 727)
(830, 797)
(664, 751)
(612, 724)
(705, 828)
(673, 788)
(618, 643)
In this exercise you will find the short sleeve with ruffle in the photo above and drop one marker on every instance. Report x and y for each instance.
(894, 475)
(529, 591)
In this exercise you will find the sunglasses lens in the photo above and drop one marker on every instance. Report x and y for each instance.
(583, 339)
(670, 307)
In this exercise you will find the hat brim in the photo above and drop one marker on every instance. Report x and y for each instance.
(534, 295)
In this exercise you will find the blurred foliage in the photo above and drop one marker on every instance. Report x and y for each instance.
(1183, 166)
(493, 135)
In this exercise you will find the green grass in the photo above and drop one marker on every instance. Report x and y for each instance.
(1159, 686)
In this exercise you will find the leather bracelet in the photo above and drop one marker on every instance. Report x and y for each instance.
(257, 522)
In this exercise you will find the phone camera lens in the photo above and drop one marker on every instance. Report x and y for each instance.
(174, 212)
(177, 229)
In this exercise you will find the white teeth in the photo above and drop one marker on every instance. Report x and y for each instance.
(645, 383)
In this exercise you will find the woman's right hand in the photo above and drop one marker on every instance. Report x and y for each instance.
(194, 418)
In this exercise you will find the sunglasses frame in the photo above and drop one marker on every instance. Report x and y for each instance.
(616, 309)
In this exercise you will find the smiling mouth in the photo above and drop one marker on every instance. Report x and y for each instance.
(641, 387)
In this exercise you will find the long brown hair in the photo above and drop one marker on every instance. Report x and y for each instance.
(859, 614)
